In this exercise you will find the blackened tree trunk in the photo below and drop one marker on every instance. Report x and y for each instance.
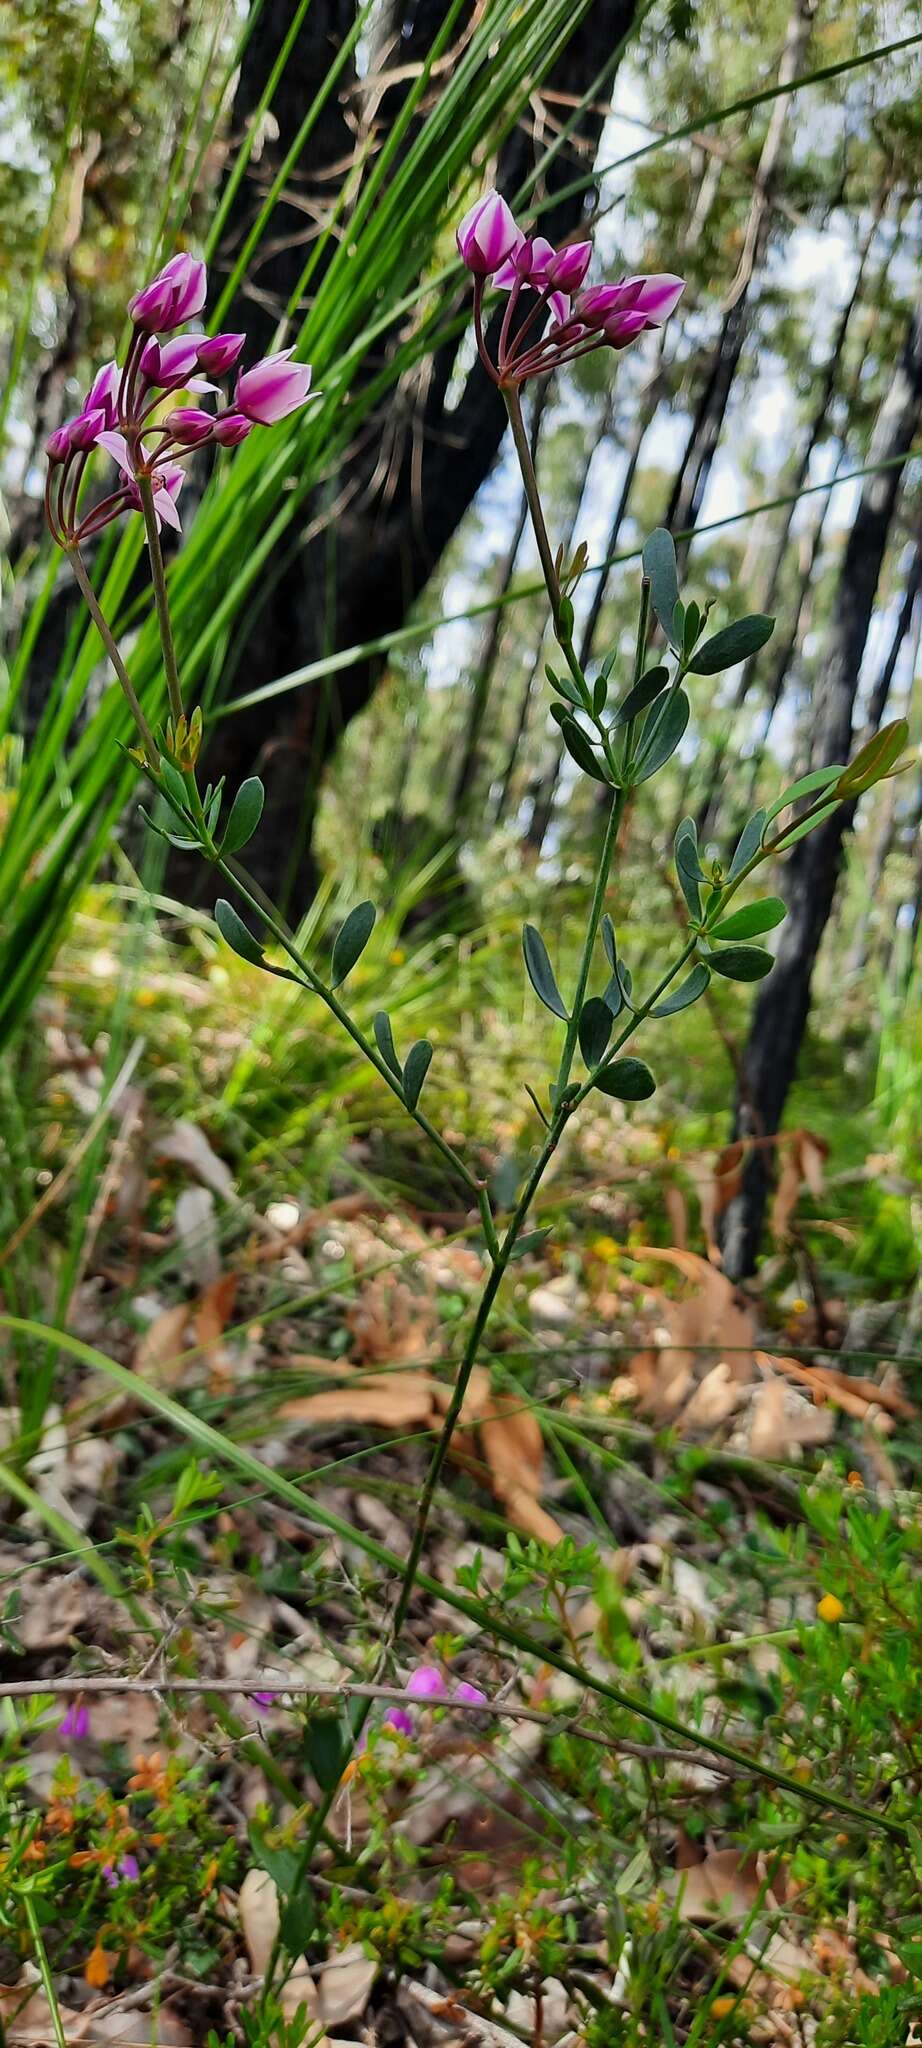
(783, 1005)
(395, 524)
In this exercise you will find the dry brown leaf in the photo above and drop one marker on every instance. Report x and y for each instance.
(258, 1908)
(854, 1395)
(779, 1419)
(398, 1400)
(210, 1318)
(27, 2023)
(159, 1355)
(804, 1155)
(184, 1143)
(724, 1885)
(345, 1985)
(676, 1214)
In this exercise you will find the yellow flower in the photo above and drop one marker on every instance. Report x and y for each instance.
(397, 956)
(798, 1308)
(830, 1608)
(605, 1248)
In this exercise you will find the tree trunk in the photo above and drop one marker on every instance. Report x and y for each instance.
(812, 872)
(394, 529)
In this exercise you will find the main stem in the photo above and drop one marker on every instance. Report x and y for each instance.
(111, 646)
(158, 576)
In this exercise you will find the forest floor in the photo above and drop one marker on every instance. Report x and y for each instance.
(675, 1556)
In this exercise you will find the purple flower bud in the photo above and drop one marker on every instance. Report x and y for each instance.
(528, 263)
(427, 1683)
(273, 388)
(399, 1719)
(598, 304)
(625, 327)
(189, 425)
(130, 1869)
(231, 428)
(219, 353)
(103, 393)
(170, 365)
(262, 1700)
(109, 1877)
(57, 446)
(470, 1694)
(656, 297)
(487, 235)
(568, 266)
(175, 295)
(75, 1726)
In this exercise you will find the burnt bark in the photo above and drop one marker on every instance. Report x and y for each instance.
(812, 873)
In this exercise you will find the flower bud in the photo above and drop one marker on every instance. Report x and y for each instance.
(487, 235)
(189, 425)
(230, 428)
(219, 353)
(273, 388)
(568, 267)
(57, 446)
(175, 295)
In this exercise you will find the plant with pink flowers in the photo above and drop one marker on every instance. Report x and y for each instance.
(619, 730)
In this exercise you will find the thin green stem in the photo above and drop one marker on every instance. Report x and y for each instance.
(158, 577)
(530, 481)
(111, 646)
(615, 816)
(44, 1971)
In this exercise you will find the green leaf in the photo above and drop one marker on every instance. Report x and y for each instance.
(872, 763)
(565, 688)
(415, 1070)
(173, 783)
(806, 785)
(735, 643)
(802, 826)
(687, 992)
(351, 941)
(236, 934)
(749, 842)
(742, 963)
(660, 745)
(246, 811)
(688, 867)
(384, 1039)
(649, 687)
(280, 1863)
(609, 941)
(752, 918)
(599, 694)
(691, 628)
(541, 973)
(298, 1923)
(629, 1080)
(595, 1027)
(613, 996)
(659, 564)
(531, 1242)
(578, 746)
(327, 1748)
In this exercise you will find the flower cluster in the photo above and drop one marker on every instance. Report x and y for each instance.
(582, 319)
(122, 411)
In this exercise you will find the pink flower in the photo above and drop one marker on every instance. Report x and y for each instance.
(189, 425)
(130, 1869)
(230, 428)
(273, 388)
(219, 353)
(399, 1719)
(427, 1683)
(170, 365)
(103, 393)
(262, 1700)
(57, 446)
(568, 266)
(109, 1877)
(75, 1726)
(658, 296)
(487, 235)
(176, 293)
(470, 1694)
(528, 263)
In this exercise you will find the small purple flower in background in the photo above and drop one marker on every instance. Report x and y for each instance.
(130, 1869)
(262, 1700)
(427, 1683)
(398, 1719)
(75, 1726)
(470, 1694)
(487, 235)
(109, 1877)
(273, 388)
